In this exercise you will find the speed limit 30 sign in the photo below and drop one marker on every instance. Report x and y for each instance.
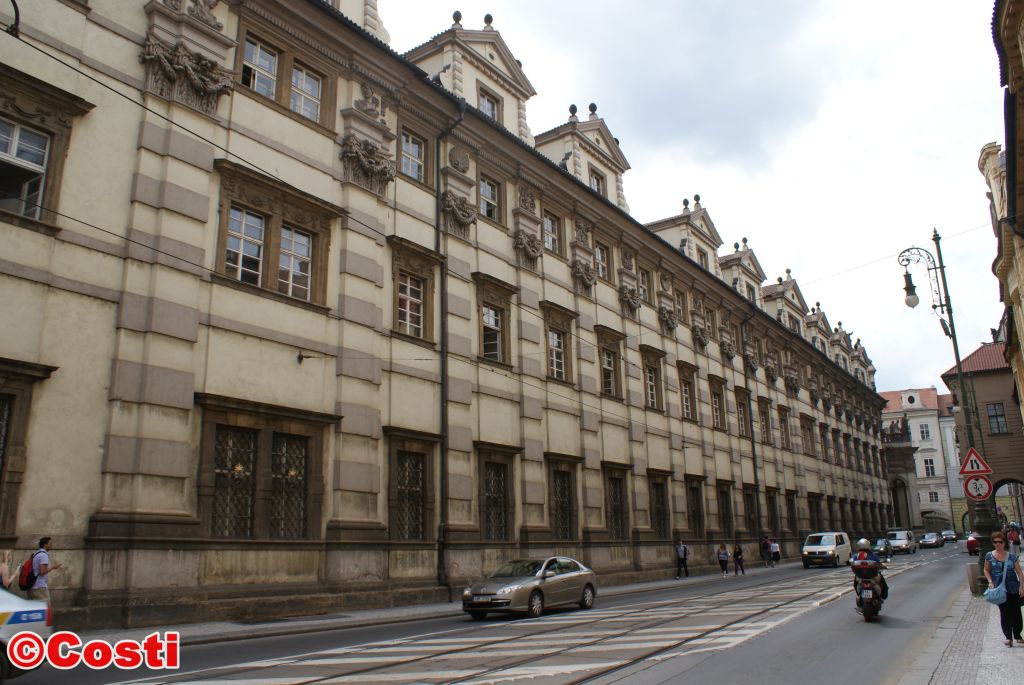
(978, 487)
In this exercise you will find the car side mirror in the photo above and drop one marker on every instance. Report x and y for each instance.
(549, 574)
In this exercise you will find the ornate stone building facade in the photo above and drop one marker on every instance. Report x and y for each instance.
(321, 323)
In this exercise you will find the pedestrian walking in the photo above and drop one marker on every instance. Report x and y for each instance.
(1014, 538)
(723, 559)
(766, 550)
(41, 569)
(737, 560)
(7, 574)
(682, 555)
(998, 562)
(776, 552)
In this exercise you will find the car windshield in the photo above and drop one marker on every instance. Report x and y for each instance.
(949, 532)
(820, 540)
(897, 536)
(880, 542)
(517, 568)
(931, 536)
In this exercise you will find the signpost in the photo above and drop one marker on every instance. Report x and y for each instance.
(977, 486)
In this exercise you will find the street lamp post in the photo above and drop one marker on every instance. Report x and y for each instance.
(982, 517)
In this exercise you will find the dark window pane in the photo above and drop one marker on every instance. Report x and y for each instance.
(289, 461)
(495, 501)
(234, 482)
(409, 516)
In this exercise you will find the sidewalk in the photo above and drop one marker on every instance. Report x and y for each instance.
(967, 649)
(228, 631)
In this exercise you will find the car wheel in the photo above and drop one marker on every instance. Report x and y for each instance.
(5, 665)
(915, 550)
(806, 565)
(535, 605)
(587, 600)
(835, 562)
(478, 615)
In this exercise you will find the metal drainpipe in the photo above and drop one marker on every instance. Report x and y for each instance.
(750, 419)
(442, 527)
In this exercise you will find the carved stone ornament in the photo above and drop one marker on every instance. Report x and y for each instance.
(698, 325)
(627, 260)
(750, 357)
(826, 400)
(203, 11)
(370, 104)
(457, 213)
(771, 371)
(668, 318)
(583, 276)
(175, 73)
(366, 163)
(173, 4)
(527, 199)
(666, 282)
(791, 380)
(629, 298)
(727, 348)
(528, 248)
(459, 159)
(583, 229)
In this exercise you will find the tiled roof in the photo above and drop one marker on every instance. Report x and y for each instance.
(927, 398)
(945, 405)
(988, 357)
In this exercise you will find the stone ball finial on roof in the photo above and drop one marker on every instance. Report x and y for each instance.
(616, 140)
(686, 203)
(789, 274)
(696, 198)
(572, 110)
(779, 280)
(744, 243)
(457, 17)
(736, 246)
(593, 108)
(818, 305)
(520, 63)
(487, 21)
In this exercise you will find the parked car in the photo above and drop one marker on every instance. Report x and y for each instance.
(531, 585)
(972, 544)
(949, 535)
(882, 548)
(826, 548)
(932, 540)
(902, 541)
(21, 614)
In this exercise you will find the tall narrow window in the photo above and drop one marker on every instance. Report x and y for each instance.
(725, 521)
(410, 304)
(259, 68)
(305, 94)
(791, 513)
(411, 491)
(826, 454)
(702, 258)
(491, 319)
(552, 233)
(787, 442)
(717, 404)
(609, 372)
(774, 521)
(602, 260)
(695, 507)
(23, 159)
(558, 322)
(753, 517)
(765, 421)
(495, 501)
(618, 520)
(489, 200)
(929, 468)
(562, 504)
(556, 354)
(751, 293)
(413, 156)
(807, 435)
(495, 298)
(659, 510)
(296, 263)
(234, 492)
(644, 285)
(688, 391)
(289, 459)
(925, 432)
(742, 415)
(598, 183)
(244, 258)
(996, 418)
(682, 313)
(653, 392)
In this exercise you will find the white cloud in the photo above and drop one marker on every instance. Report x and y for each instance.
(831, 135)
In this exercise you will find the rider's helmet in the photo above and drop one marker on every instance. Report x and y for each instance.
(864, 544)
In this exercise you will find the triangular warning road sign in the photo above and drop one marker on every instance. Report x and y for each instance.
(974, 464)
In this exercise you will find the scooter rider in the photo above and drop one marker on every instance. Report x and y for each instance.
(865, 553)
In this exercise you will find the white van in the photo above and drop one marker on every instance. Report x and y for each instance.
(826, 548)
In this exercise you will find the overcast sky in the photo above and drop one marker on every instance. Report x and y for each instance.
(832, 135)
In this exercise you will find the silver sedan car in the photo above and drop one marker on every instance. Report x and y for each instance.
(529, 585)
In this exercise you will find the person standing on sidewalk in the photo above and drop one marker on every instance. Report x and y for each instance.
(682, 555)
(41, 568)
(766, 550)
(998, 562)
(776, 552)
(723, 558)
(1014, 539)
(737, 560)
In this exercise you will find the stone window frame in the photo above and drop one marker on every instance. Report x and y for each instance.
(703, 259)
(417, 442)
(658, 477)
(807, 441)
(652, 359)
(695, 506)
(40, 106)
(558, 235)
(414, 259)
(406, 129)
(688, 391)
(995, 412)
(680, 298)
(569, 464)
(744, 428)
(497, 294)
(764, 420)
(785, 432)
(266, 419)
(290, 52)
(612, 470)
(645, 283)
(609, 340)
(498, 454)
(719, 417)
(17, 382)
(278, 204)
(600, 247)
(485, 176)
(595, 174)
(483, 91)
(558, 319)
(726, 513)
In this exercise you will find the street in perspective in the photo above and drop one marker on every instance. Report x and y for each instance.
(380, 341)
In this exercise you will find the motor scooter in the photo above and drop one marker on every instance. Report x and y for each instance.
(867, 591)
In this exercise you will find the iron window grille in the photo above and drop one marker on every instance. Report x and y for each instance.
(495, 501)
(411, 501)
(289, 466)
(617, 521)
(234, 482)
(695, 508)
(561, 512)
(725, 522)
(659, 510)
(791, 513)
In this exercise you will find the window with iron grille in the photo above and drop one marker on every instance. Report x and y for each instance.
(750, 509)
(695, 507)
(725, 521)
(495, 501)
(289, 461)
(774, 521)
(562, 499)
(235, 482)
(659, 509)
(814, 509)
(996, 418)
(411, 486)
(791, 513)
(618, 519)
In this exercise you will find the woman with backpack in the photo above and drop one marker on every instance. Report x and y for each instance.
(723, 558)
